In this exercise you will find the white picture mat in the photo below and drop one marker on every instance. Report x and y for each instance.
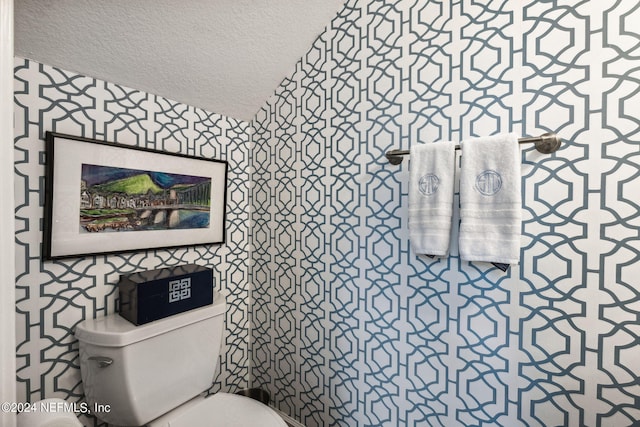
(66, 237)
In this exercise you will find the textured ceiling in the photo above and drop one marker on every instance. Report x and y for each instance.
(226, 56)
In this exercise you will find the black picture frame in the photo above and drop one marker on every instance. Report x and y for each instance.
(106, 198)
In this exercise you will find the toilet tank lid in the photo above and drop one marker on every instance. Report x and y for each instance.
(115, 331)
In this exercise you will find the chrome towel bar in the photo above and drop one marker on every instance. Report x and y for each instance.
(546, 143)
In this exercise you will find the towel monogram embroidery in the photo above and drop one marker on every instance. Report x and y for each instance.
(428, 184)
(489, 182)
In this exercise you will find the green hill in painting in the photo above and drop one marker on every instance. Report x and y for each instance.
(139, 184)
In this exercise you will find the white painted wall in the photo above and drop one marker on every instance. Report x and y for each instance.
(7, 251)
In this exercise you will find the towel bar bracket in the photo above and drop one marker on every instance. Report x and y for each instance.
(546, 143)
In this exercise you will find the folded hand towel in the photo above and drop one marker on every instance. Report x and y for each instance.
(431, 197)
(490, 200)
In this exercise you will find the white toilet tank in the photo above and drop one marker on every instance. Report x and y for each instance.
(133, 374)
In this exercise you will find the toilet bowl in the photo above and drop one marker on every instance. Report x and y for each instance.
(48, 413)
(154, 374)
(220, 410)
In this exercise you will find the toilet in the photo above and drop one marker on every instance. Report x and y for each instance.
(154, 374)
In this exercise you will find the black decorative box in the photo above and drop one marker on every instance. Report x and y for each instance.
(154, 294)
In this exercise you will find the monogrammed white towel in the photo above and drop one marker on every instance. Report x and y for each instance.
(431, 197)
(490, 200)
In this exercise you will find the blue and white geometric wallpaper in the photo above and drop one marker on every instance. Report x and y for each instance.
(52, 297)
(349, 326)
(329, 308)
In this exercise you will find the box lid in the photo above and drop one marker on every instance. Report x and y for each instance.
(164, 273)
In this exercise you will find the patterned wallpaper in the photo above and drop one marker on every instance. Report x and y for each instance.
(52, 297)
(350, 328)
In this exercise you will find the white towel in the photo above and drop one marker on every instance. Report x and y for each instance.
(431, 197)
(490, 200)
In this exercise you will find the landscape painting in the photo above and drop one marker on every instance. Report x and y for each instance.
(114, 199)
(107, 198)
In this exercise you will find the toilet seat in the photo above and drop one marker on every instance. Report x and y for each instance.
(220, 410)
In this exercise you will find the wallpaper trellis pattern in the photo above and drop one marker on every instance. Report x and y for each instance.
(52, 297)
(350, 328)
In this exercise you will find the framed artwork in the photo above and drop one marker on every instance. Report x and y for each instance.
(106, 198)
